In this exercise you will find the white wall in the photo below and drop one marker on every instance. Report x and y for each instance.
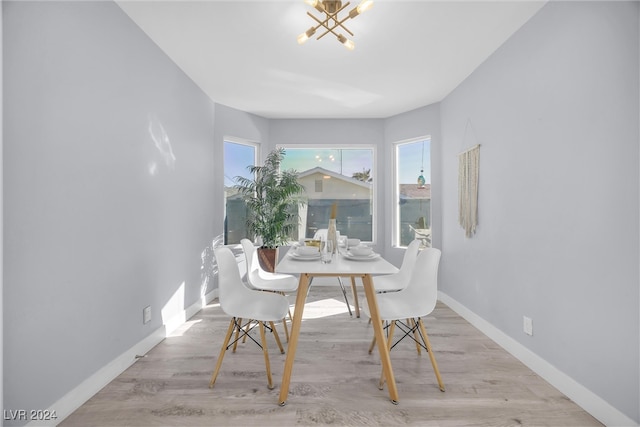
(108, 168)
(99, 221)
(555, 110)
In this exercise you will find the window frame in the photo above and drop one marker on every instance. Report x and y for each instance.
(257, 153)
(395, 215)
(374, 180)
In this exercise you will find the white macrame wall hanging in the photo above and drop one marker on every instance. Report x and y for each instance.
(468, 173)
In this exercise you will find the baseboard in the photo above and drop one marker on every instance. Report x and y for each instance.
(89, 387)
(83, 392)
(590, 402)
(586, 399)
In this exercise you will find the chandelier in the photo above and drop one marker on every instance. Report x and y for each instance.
(331, 23)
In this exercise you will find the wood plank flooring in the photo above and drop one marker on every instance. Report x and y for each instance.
(334, 379)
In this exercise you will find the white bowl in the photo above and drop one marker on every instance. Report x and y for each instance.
(307, 250)
(361, 250)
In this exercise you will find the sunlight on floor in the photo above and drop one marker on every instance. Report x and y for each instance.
(181, 330)
(323, 308)
(313, 310)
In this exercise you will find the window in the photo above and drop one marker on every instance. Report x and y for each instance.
(237, 156)
(344, 176)
(412, 188)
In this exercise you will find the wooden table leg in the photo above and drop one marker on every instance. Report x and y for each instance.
(301, 298)
(381, 340)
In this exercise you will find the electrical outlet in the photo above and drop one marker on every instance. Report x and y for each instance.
(146, 314)
(528, 325)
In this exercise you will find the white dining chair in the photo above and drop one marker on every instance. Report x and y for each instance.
(257, 278)
(399, 280)
(321, 234)
(255, 307)
(416, 300)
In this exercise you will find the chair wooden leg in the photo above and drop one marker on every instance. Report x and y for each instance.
(412, 324)
(389, 341)
(266, 356)
(373, 341)
(286, 329)
(227, 338)
(277, 337)
(431, 355)
(355, 296)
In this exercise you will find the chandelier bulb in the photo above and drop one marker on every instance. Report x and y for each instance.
(346, 42)
(364, 5)
(306, 35)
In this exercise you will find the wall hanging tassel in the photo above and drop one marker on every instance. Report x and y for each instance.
(468, 174)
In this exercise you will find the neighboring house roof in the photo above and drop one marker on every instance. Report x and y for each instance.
(323, 171)
(407, 191)
(411, 191)
(232, 192)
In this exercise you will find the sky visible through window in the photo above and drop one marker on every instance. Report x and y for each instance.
(236, 159)
(343, 161)
(410, 161)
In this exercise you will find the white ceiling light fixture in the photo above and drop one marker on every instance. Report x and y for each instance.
(331, 21)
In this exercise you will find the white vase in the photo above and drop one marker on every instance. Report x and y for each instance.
(332, 234)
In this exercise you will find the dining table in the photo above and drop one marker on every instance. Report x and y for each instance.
(342, 264)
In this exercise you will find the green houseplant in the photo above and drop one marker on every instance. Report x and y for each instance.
(272, 197)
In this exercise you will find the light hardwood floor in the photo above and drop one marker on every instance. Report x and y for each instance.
(334, 379)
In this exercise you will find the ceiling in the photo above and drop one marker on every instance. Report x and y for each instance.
(408, 54)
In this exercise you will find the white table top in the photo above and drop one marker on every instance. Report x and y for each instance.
(338, 266)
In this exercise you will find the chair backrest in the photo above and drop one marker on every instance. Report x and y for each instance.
(321, 234)
(423, 285)
(249, 255)
(237, 300)
(408, 262)
(232, 293)
(254, 273)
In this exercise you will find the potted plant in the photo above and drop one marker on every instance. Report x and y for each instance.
(271, 197)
